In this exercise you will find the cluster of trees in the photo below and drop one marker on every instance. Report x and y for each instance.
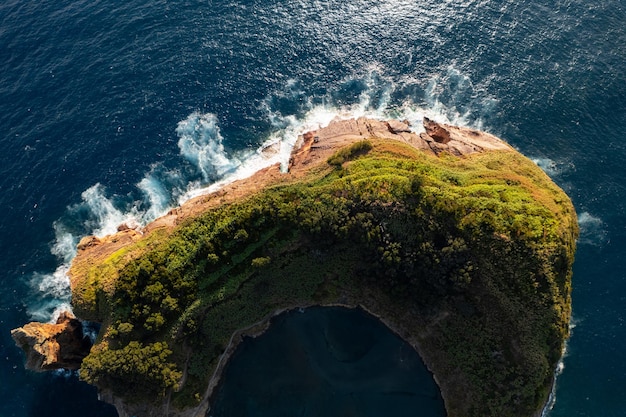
(135, 365)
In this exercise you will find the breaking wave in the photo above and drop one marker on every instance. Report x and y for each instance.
(202, 144)
(553, 168)
(449, 98)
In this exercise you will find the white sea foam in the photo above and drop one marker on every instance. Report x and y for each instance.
(52, 290)
(105, 217)
(560, 367)
(64, 373)
(55, 285)
(453, 96)
(551, 167)
(202, 144)
(592, 230)
(156, 196)
(52, 298)
(547, 165)
(64, 247)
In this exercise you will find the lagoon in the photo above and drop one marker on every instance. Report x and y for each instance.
(326, 361)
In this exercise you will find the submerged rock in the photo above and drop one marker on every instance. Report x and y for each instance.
(53, 346)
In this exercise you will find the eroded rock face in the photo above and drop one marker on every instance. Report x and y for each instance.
(457, 140)
(436, 131)
(53, 346)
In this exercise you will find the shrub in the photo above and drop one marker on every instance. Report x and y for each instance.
(261, 262)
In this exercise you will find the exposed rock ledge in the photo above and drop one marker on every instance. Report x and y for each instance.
(53, 346)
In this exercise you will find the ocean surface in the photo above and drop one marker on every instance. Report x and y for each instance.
(116, 111)
(327, 362)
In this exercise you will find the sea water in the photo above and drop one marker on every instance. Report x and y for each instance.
(326, 362)
(114, 112)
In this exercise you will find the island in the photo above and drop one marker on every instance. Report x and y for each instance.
(454, 240)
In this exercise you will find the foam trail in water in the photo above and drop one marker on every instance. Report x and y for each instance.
(64, 247)
(157, 197)
(454, 96)
(105, 217)
(52, 290)
(547, 165)
(560, 367)
(64, 374)
(551, 167)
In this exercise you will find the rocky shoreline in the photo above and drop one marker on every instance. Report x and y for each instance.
(310, 154)
(49, 346)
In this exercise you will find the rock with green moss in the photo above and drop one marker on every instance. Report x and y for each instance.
(454, 240)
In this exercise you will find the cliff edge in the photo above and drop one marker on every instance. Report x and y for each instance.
(48, 346)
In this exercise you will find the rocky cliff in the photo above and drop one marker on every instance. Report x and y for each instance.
(453, 239)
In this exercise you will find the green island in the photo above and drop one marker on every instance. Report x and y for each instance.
(466, 256)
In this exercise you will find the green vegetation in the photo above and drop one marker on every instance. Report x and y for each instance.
(133, 365)
(470, 257)
(350, 152)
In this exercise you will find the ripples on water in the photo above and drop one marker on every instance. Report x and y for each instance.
(92, 93)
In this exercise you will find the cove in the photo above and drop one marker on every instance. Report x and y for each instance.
(326, 361)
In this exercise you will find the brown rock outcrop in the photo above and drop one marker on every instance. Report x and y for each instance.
(459, 141)
(396, 126)
(53, 346)
(436, 131)
(437, 137)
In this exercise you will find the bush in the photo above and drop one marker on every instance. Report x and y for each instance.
(261, 262)
(351, 152)
(133, 372)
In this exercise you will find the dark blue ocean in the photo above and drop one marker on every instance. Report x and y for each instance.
(326, 362)
(115, 111)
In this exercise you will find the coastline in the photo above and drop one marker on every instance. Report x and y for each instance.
(311, 149)
(424, 327)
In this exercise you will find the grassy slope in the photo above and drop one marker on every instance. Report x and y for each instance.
(468, 258)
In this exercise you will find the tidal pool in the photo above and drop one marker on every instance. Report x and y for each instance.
(326, 362)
